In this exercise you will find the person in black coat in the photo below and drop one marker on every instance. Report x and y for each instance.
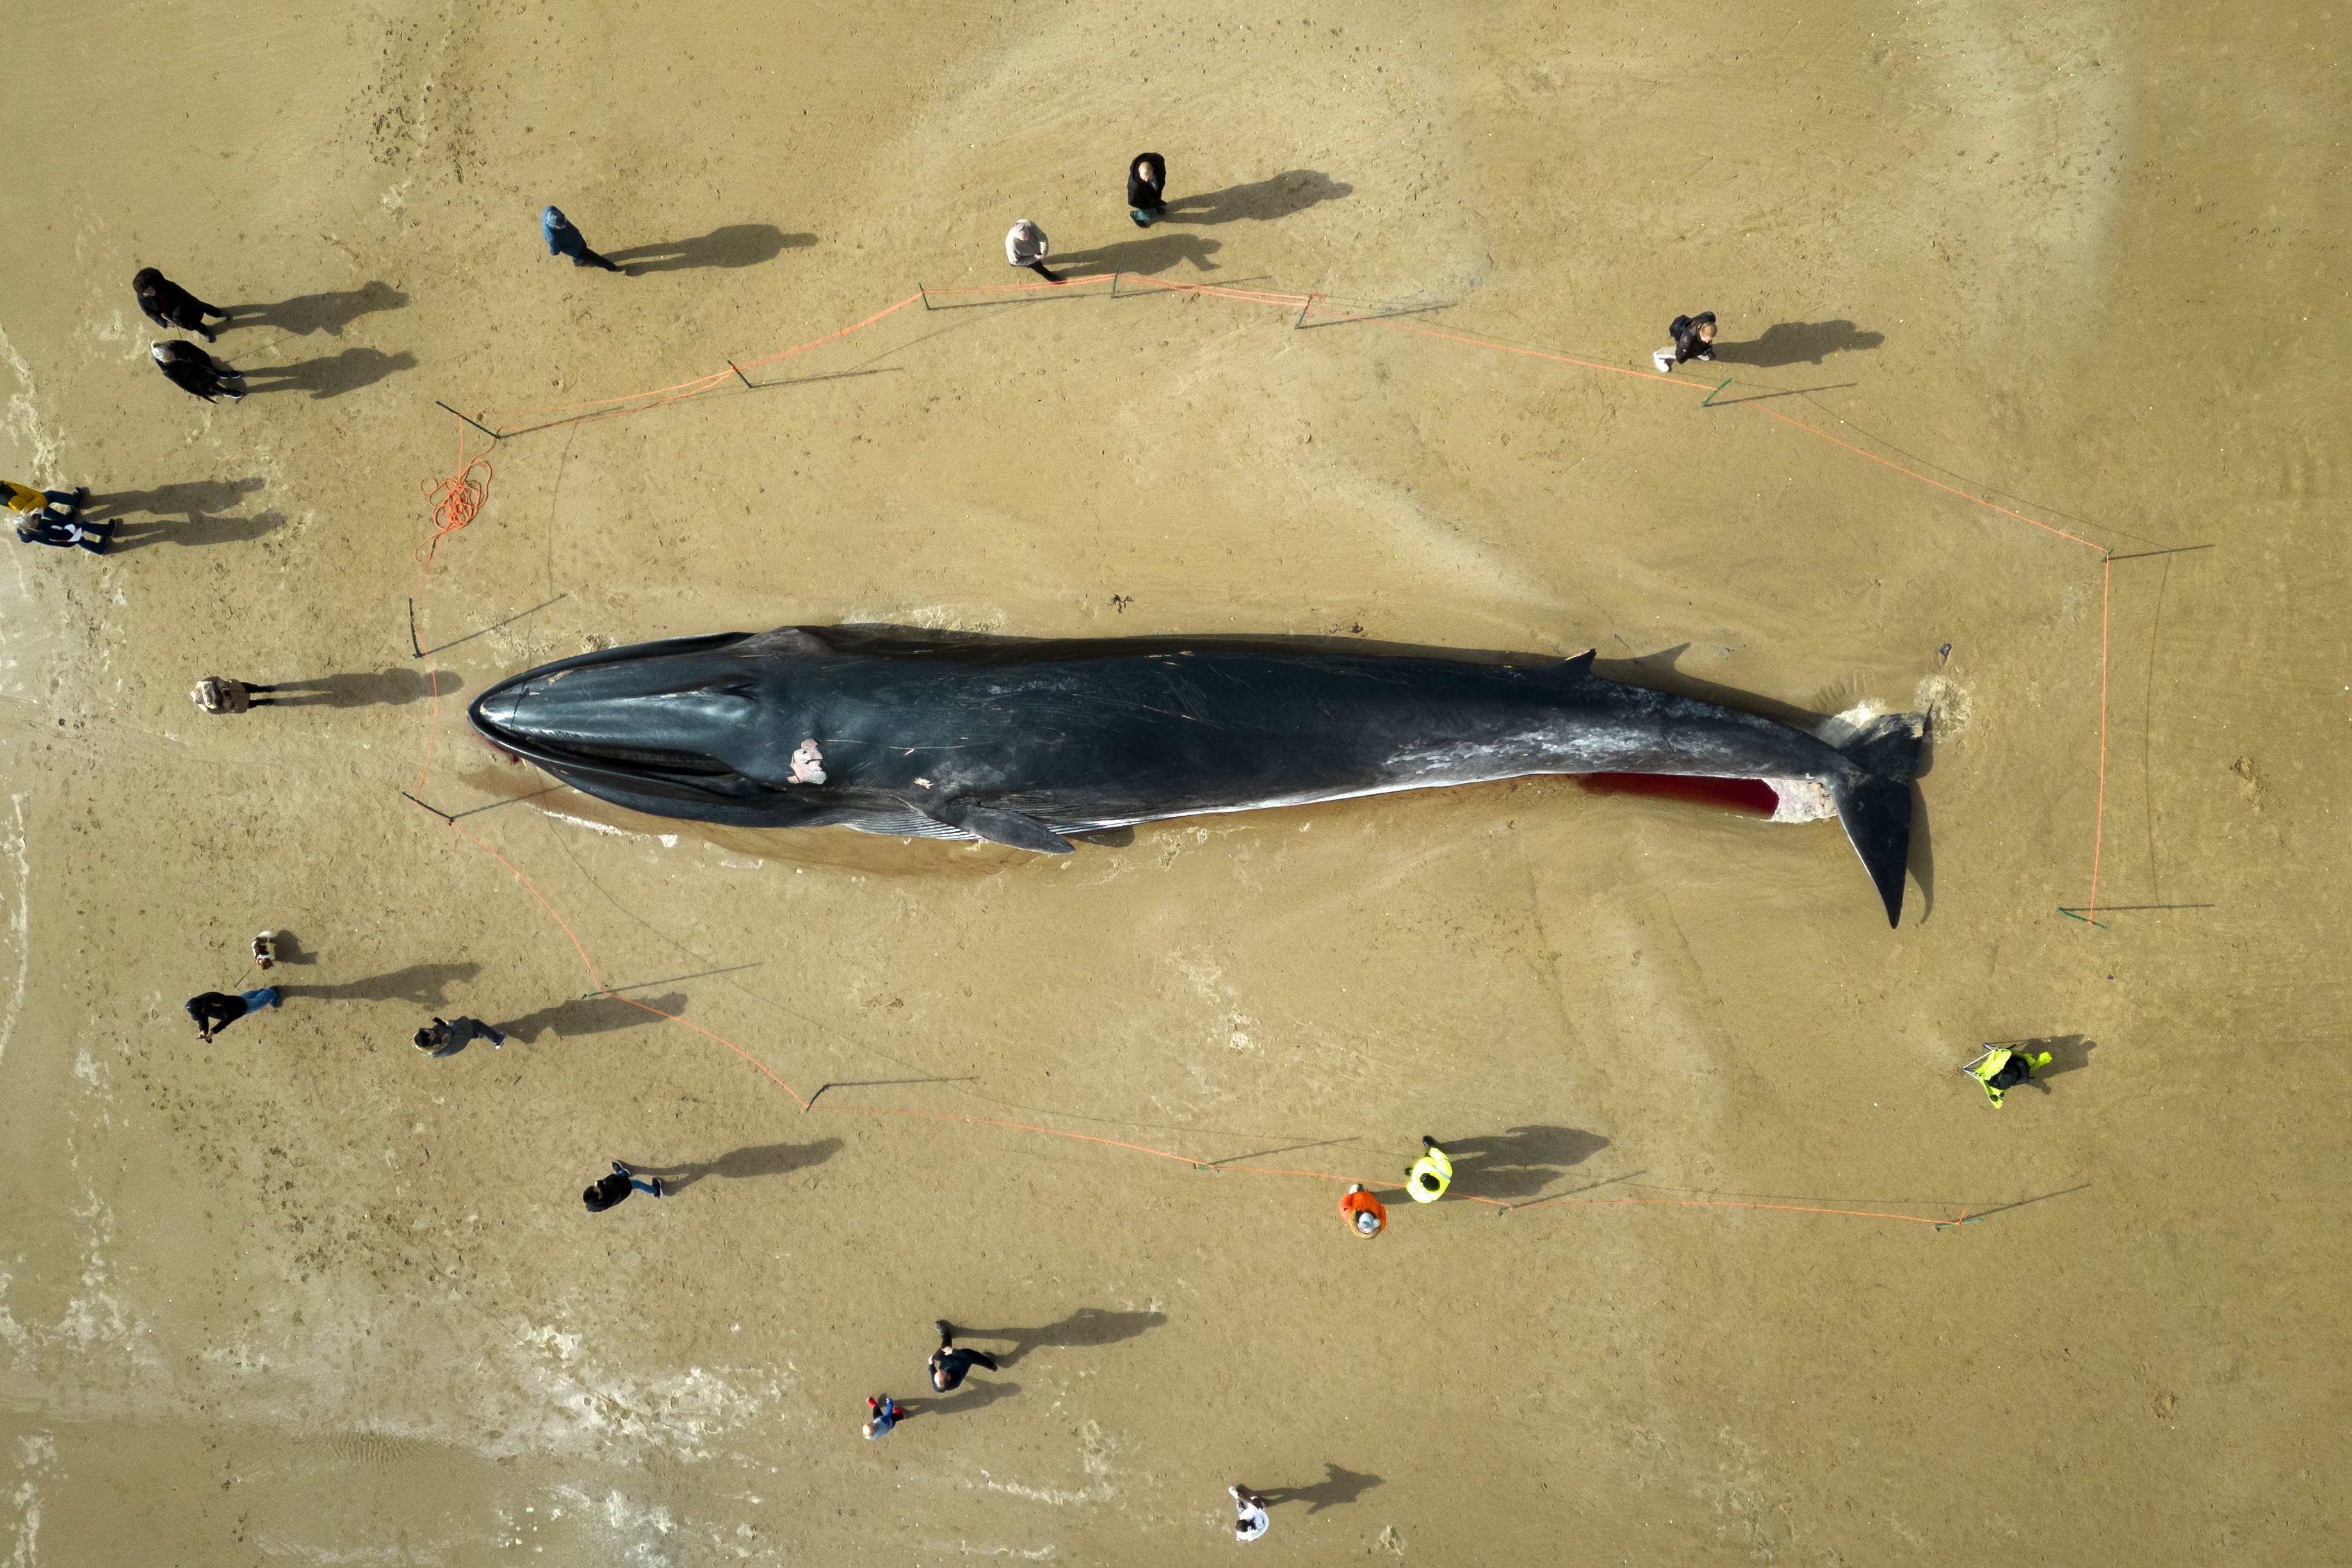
(1694, 339)
(192, 370)
(169, 305)
(1147, 177)
(948, 1364)
(611, 1189)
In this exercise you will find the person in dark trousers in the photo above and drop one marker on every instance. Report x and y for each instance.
(192, 370)
(169, 305)
(1694, 339)
(447, 1037)
(948, 1365)
(55, 517)
(1250, 1519)
(563, 239)
(1147, 177)
(63, 505)
(2000, 1070)
(218, 693)
(215, 1010)
(610, 1190)
(1026, 244)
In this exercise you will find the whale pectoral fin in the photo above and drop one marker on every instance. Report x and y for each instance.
(998, 826)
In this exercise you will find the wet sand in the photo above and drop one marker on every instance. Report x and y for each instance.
(303, 1295)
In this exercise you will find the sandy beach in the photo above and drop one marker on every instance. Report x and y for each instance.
(2019, 417)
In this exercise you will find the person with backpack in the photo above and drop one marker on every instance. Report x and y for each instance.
(1694, 339)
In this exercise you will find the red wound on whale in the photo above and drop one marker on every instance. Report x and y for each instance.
(1747, 797)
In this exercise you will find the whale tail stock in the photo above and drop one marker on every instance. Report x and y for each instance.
(1874, 799)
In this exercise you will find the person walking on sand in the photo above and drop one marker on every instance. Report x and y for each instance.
(611, 1189)
(2000, 1070)
(1147, 177)
(1250, 1519)
(215, 1010)
(169, 305)
(62, 505)
(192, 370)
(886, 1415)
(1026, 244)
(55, 517)
(1364, 1213)
(218, 693)
(948, 1364)
(447, 1037)
(1431, 1174)
(1694, 339)
(563, 239)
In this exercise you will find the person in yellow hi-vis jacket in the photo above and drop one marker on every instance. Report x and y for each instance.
(2000, 1070)
(1431, 1174)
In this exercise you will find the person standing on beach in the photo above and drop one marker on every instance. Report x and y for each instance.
(218, 693)
(1364, 1213)
(1147, 177)
(1694, 339)
(192, 370)
(215, 1010)
(1250, 1519)
(610, 1190)
(1026, 244)
(886, 1414)
(169, 305)
(1431, 1174)
(2000, 1070)
(447, 1037)
(948, 1364)
(563, 239)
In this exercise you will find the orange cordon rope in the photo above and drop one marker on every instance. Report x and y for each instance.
(457, 499)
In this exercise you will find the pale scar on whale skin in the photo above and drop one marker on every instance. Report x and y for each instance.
(808, 764)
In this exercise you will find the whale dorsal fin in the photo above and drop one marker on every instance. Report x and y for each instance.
(1575, 667)
(798, 640)
(997, 825)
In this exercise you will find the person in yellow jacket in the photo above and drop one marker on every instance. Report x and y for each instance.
(24, 499)
(2000, 1070)
(1431, 1174)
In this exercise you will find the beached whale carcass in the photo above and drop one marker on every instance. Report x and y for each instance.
(1022, 741)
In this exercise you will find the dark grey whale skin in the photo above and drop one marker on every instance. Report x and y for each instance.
(1022, 740)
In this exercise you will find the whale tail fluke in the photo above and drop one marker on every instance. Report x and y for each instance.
(1873, 801)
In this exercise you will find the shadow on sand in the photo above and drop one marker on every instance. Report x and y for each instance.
(735, 244)
(742, 1165)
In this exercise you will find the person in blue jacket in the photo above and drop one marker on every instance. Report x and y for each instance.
(563, 239)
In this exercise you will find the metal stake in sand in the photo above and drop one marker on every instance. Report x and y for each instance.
(470, 419)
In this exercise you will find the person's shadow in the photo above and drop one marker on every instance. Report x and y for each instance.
(329, 375)
(1520, 1163)
(973, 1396)
(591, 1015)
(1336, 1488)
(384, 687)
(197, 530)
(1157, 253)
(762, 1160)
(420, 984)
(1797, 342)
(1278, 197)
(308, 313)
(734, 245)
(192, 499)
(1087, 1326)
